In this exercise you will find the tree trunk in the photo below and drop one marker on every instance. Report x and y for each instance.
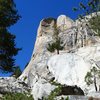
(95, 84)
(99, 88)
(58, 52)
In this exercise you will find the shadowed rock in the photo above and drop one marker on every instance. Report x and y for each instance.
(71, 90)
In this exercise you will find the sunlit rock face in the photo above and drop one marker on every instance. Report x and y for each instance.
(64, 23)
(38, 63)
(38, 72)
(11, 84)
(71, 68)
(37, 68)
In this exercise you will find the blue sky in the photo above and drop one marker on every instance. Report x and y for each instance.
(32, 12)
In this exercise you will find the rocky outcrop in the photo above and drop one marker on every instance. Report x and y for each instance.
(70, 90)
(71, 68)
(38, 63)
(81, 52)
(75, 35)
(72, 35)
(10, 84)
(64, 23)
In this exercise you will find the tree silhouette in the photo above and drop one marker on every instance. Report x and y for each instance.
(95, 24)
(8, 13)
(88, 8)
(56, 45)
(16, 71)
(8, 49)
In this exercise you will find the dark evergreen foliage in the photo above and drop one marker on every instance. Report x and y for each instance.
(8, 17)
(17, 96)
(88, 8)
(7, 50)
(16, 71)
(95, 24)
(92, 77)
(57, 45)
(8, 13)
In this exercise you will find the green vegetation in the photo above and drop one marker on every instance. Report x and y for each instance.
(67, 98)
(54, 93)
(8, 17)
(25, 78)
(7, 50)
(56, 45)
(8, 13)
(16, 72)
(88, 8)
(92, 76)
(17, 96)
(95, 24)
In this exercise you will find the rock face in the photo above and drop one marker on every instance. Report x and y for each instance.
(38, 63)
(36, 73)
(71, 68)
(10, 84)
(64, 23)
(66, 68)
(71, 90)
(42, 67)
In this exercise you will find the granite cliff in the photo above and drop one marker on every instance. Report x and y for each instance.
(81, 52)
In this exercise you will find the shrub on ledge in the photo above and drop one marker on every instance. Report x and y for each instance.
(17, 96)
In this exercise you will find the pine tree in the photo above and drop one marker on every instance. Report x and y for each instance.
(95, 24)
(92, 76)
(8, 17)
(7, 50)
(88, 8)
(57, 45)
(16, 72)
(8, 13)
